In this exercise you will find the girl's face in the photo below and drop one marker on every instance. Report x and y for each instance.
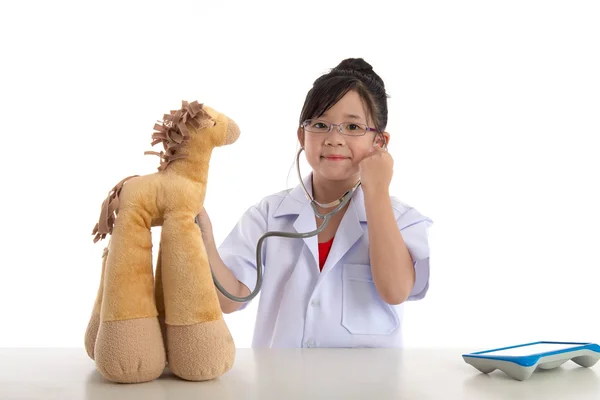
(333, 155)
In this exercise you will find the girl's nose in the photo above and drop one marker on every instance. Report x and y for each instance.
(334, 137)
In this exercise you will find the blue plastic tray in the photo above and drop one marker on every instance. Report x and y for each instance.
(520, 361)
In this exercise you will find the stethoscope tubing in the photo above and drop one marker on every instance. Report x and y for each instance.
(339, 204)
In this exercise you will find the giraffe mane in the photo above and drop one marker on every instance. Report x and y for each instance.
(173, 131)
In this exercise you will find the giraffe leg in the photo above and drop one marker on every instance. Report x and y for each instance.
(160, 298)
(200, 345)
(92, 328)
(129, 347)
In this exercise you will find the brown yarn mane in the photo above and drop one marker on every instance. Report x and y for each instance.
(173, 133)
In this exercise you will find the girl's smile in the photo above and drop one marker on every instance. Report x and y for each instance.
(334, 157)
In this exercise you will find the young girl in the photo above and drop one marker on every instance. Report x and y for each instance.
(347, 286)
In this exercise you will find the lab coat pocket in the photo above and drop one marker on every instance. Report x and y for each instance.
(363, 310)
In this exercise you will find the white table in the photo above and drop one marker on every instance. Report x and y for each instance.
(372, 374)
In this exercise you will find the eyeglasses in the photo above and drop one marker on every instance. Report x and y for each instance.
(345, 128)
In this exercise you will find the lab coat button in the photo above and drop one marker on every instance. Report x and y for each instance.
(310, 343)
(314, 303)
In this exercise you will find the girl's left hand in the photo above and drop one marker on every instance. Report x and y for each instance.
(376, 170)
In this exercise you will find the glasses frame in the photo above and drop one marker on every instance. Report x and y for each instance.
(339, 127)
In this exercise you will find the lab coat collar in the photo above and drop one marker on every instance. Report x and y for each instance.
(296, 202)
(349, 232)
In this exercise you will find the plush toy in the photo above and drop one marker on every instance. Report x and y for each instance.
(140, 324)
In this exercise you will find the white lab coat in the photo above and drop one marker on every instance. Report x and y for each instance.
(300, 306)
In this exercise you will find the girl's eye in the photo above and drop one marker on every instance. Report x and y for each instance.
(320, 125)
(352, 127)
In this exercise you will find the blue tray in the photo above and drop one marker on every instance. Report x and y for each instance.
(520, 361)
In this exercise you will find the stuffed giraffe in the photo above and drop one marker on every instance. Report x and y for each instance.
(139, 323)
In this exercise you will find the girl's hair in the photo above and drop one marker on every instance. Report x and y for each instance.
(351, 74)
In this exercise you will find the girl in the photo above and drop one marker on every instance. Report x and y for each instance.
(347, 286)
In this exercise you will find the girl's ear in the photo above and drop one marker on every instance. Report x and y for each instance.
(382, 140)
(387, 136)
(300, 134)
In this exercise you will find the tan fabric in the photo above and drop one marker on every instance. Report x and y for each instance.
(202, 351)
(160, 298)
(189, 292)
(130, 351)
(92, 329)
(139, 321)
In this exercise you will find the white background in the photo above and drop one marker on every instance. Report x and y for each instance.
(494, 116)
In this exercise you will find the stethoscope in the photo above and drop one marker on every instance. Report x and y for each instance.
(338, 205)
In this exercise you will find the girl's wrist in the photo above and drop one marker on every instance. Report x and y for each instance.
(376, 194)
(209, 240)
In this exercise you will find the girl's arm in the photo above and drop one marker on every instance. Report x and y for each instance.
(391, 264)
(226, 279)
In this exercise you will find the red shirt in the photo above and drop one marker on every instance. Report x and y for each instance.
(324, 252)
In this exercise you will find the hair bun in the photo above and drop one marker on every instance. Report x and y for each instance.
(355, 64)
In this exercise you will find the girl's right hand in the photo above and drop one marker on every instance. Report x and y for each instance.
(205, 225)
